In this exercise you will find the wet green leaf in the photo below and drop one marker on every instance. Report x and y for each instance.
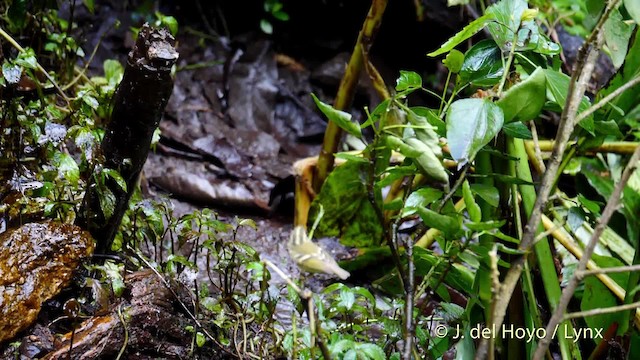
(67, 167)
(471, 124)
(482, 64)
(408, 80)
(524, 101)
(507, 14)
(466, 32)
(341, 118)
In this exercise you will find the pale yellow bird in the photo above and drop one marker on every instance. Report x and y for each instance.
(310, 256)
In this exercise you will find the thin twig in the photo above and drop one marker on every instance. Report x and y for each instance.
(409, 290)
(567, 293)
(601, 311)
(609, 270)
(605, 100)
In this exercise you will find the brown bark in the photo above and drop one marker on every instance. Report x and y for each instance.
(137, 109)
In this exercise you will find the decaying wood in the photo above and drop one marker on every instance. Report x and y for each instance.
(137, 109)
(154, 329)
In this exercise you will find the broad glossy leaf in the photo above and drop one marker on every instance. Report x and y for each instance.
(482, 64)
(466, 32)
(633, 8)
(524, 101)
(507, 14)
(341, 118)
(348, 211)
(471, 124)
(616, 35)
(517, 130)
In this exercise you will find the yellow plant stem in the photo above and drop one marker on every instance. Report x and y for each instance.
(615, 147)
(567, 241)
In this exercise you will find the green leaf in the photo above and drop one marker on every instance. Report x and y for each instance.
(423, 197)
(17, 14)
(90, 5)
(408, 80)
(200, 339)
(507, 14)
(115, 175)
(518, 130)
(348, 211)
(471, 124)
(447, 224)
(113, 71)
(281, 15)
(616, 36)
(114, 272)
(169, 22)
(467, 32)
(453, 61)
(557, 90)
(487, 193)
(633, 8)
(432, 118)
(372, 351)
(67, 167)
(598, 296)
(341, 118)
(27, 59)
(524, 101)
(475, 214)
(351, 157)
(266, 26)
(625, 102)
(482, 64)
